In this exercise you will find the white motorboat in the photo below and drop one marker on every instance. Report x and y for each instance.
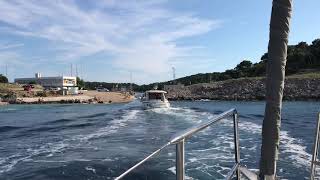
(155, 99)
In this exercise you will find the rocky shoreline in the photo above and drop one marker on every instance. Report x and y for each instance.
(89, 97)
(3, 103)
(246, 89)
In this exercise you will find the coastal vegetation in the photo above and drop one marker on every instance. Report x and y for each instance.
(3, 79)
(301, 58)
(80, 83)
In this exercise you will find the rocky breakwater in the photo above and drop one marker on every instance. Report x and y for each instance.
(247, 89)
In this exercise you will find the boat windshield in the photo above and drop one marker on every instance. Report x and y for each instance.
(155, 96)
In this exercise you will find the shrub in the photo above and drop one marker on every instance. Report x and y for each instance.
(3, 79)
(41, 94)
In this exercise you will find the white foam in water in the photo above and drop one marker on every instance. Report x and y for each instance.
(10, 162)
(112, 127)
(180, 112)
(193, 159)
(2, 160)
(289, 145)
(51, 148)
(107, 159)
(250, 127)
(292, 148)
(297, 152)
(186, 114)
(173, 170)
(89, 168)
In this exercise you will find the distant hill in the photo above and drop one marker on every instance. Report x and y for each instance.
(301, 58)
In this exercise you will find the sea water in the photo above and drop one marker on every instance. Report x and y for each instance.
(102, 141)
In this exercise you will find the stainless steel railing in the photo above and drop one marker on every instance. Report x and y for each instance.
(179, 141)
(315, 162)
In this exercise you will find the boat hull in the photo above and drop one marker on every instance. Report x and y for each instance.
(155, 104)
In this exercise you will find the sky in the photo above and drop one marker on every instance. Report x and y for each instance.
(108, 40)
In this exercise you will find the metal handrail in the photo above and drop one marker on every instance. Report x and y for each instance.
(314, 161)
(141, 162)
(180, 138)
(189, 132)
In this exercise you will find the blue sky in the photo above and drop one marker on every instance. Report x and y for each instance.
(109, 39)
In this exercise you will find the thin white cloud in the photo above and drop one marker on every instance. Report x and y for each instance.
(9, 57)
(10, 46)
(140, 35)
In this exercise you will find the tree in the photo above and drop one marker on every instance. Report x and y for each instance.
(260, 68)
(234, 74)
(315, 51)
(32, 82)
(264, 56)
(302, 45)
(277, 55)
(80, 83)
(3, 79)
(245, 68)
(244, 65)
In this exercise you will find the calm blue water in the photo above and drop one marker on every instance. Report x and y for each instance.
(101, 141)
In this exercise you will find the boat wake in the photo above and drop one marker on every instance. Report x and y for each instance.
(220, 149)
(112, 127)
(103, 138)
(201, 153)
(50, 149)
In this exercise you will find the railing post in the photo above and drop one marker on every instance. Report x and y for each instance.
(180, 160)
(315, 150)
(236, 142)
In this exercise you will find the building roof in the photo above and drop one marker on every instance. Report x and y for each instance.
(53, 77)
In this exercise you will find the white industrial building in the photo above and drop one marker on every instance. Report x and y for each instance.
(64, 82)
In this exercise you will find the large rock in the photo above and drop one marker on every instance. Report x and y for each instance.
(247, 89)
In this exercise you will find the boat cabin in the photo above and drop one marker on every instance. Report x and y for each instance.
(155, 95)
(155, 99)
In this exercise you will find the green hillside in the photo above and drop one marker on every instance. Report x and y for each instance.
(302, 59)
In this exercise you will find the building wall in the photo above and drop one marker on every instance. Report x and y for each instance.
(51, 82)
(62, 81)
(24, 80)
(69, 81)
